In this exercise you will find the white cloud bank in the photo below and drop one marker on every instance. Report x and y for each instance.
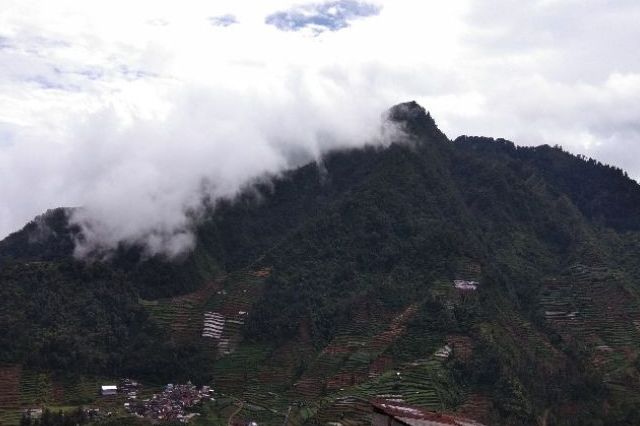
(136, 109)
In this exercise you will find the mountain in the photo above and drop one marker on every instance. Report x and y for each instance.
(471, 277)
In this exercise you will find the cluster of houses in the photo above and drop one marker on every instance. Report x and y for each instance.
(171, 404)
(130, 388)
(32, 413)
(127, 386)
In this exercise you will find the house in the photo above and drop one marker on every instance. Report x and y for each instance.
(444, 352)
(32, 413)
(107, 390)
(388, 413)
(466, 285)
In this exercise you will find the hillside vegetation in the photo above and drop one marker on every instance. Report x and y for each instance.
(334, 284)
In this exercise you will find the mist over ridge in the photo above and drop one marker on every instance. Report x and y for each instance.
(137, 111)
(155, 190)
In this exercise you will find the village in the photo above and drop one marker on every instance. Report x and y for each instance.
(176, 402)
(173, 403)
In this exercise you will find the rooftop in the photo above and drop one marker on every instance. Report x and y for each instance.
(413, 416)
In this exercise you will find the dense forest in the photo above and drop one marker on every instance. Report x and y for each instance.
(346, 270)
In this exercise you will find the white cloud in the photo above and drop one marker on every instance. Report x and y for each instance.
(133, 109)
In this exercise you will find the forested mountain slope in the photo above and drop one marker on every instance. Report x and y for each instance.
(468, 276)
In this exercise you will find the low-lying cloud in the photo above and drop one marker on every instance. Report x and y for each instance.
(148, 179)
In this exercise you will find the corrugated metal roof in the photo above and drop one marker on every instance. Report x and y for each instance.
(414, 416)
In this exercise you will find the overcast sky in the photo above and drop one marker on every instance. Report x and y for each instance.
(135, 109)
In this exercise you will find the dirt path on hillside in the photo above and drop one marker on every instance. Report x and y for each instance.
(235, 413)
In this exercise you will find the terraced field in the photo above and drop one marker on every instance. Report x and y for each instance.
(307, 386)
(347, 410)
(365, 360)
(233, 303)
(10, 417)
(347, 360)
(254, 373)
(259, 414)
(468, 269)
(182, 315)
(336, 382)
(213, 315)
(591, 304)
(358, 365)
(36, 389)
(10, 394)
(21, 389)
(422, 383)
(10, 386)
(77, 391)
(425, 384)
(477, 407)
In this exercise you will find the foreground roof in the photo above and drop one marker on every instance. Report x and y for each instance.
(413, 416)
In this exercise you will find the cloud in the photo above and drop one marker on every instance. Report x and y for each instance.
(223, 20)
(138, 110)
(555, 72)
(330, 15)
(208, 145)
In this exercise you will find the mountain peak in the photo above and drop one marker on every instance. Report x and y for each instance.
(408, 111)
(414, 118)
